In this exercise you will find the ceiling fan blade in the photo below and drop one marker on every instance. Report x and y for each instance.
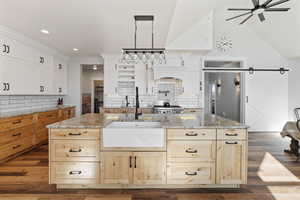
(246, 19)
(277, 3)
(247, 13)
(261, 17)
(239, 9)
(267, 2)
(255, 3)
(277, 9)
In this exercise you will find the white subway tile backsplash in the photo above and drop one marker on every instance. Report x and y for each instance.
(17, 103)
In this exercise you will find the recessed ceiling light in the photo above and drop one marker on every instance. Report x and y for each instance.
(75, 49)
(45, 31)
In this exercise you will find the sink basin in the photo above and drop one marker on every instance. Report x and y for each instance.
(134, 125)
(134, 134)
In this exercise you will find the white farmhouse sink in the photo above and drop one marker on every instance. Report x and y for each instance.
(134, 135)
(134, 125)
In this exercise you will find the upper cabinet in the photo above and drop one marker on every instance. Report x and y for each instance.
(25, 70)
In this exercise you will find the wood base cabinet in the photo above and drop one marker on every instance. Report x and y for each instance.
(134, 168)
(231, 163)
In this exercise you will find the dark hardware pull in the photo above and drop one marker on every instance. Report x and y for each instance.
(60, 66)
(231, 142)
(191, 134)
(42, 60)
(42, 88)
(17, 134)
(232, 135)
(8, 86)
(75, 151)
(134, 161)
(17, 122)
(191, 174)
(8, 49)
(5, 87)
(17, 146)
(130, 164)
(74, 172)
(49, 116)
(74, 134)
(59, 90)
(191, 151)
(4, 50)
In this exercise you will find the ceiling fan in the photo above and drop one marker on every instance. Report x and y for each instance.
(259, 9)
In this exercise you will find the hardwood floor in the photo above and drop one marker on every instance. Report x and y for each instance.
(273, 175)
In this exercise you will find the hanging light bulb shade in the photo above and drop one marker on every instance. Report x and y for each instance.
(143, 55)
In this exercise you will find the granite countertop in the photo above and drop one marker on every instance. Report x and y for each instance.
(31, 111)
(167, 121)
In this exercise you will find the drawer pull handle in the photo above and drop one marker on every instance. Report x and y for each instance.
(134, 161)
(75, 150)
(231, 142)
(130, 164)
(75, 172)
(74, 134)
(191, 134)
(191, 151)
(191, 174)
(17, 134)
(17, 122)
(232, 135)
(17, 146)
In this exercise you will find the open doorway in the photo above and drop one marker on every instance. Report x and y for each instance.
(224, 91)
(92, 84)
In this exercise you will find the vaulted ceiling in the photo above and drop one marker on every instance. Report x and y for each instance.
(105, 26)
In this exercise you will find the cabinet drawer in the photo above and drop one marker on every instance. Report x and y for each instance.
(75, 150)
(232, 134)
(191, 134)
(16, 122)
(75, 133)
(191, 151)
(74, 173)
(15, 147)
(17, 134)
(191, 173)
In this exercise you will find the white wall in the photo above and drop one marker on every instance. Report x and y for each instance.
(74, 79)
(268, 108)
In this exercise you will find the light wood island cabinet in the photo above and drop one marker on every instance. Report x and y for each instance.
(193, 158)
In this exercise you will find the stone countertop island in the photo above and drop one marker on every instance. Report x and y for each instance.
(157, 151)
(167, 121)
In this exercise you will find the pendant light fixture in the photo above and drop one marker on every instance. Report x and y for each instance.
(143, 55)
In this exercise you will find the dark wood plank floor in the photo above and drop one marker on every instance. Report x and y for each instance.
(273, 175)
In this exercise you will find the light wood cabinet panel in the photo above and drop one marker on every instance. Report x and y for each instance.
(74, 150)
(191, 151)
(41, 135)
(191, 134)
(149, 168)
(75, 134)
(74, 173)
(16, 122)
(191, 173)
(116, 167)
(232, 134)
(232, 162)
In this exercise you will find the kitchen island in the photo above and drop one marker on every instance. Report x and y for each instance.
(157, 151)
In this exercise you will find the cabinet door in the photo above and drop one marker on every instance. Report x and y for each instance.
(46, 76)
(141, 78)
(191, 83)
(149, 168)
(117, 167)
(60, 77)
(17, 77)
(231, 162)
